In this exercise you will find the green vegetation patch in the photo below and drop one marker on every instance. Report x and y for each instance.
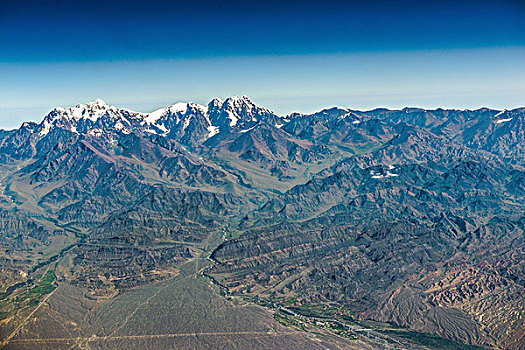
(285, 320)
(43, 287)
(321, 311)
(430, 340)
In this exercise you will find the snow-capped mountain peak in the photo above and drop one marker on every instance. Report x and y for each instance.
(237, 112)
(98, 103)
(84, 116)
(238, 100)
(238, 104)
(167, 118)
(216, 102)
(180, 108)
(92, 110)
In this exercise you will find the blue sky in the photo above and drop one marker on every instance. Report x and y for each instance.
(287, 56)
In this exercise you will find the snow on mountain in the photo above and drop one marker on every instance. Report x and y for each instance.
(213, 130)
(239, 113)
(92, 110)
(81, 118)
(151, 118)
(233, 118)
(165, 119)
(499, 121)
(98, 115)
(500, 113)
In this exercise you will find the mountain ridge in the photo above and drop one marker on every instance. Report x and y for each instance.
(412, 217)
(94, 108)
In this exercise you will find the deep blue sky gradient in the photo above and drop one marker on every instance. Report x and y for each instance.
(290, 55)
(69, 30)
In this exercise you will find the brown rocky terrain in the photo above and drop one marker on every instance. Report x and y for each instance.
(377, 229)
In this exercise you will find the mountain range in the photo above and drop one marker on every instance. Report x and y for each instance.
(407, 223)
